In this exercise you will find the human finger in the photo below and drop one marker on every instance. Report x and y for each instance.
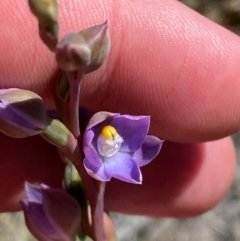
(184, 180)
(166, 61)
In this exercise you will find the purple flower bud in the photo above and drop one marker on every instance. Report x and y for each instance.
(118, 145)
(22, 113)
(51, 214)
(72, 52)
(98, 40)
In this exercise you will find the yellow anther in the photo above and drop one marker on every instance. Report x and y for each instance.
(109, 132)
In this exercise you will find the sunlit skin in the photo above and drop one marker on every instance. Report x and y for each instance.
(166, 61)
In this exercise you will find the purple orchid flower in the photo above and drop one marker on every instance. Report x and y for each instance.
(118, 145)
(51, 214)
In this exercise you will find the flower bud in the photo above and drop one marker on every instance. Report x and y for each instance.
(97, 38)
(51, 214)
(72, 52)
(46, 12)
(22, 113)
(56, 133)
(74, 186)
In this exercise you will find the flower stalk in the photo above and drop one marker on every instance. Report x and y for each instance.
(73, 105)
(97, 213)
(77, 54)
(95, 196)
(73, 152)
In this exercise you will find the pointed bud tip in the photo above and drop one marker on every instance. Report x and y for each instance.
(98, 40)
(104, 25)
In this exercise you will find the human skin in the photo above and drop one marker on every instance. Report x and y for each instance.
(166, 61)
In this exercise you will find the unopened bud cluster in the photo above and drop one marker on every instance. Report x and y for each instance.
(87, 49)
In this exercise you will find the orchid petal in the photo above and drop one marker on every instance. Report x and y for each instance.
(123, 167)
(99, 117)
(89, 149)
(96, 172)
(132, 129)
(34, 193)
(148, 151)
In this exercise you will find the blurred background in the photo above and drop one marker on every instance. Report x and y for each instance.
(220, 224)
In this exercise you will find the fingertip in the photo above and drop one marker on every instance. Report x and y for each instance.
(185, 180)
(212, 182)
